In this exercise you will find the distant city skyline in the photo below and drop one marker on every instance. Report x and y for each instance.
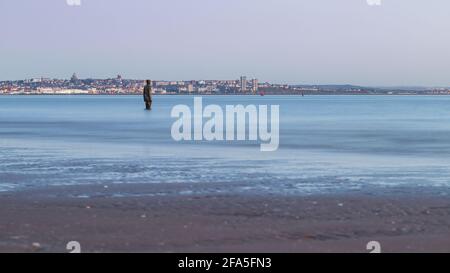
(399, 43)
(122, 86)
(253, 81)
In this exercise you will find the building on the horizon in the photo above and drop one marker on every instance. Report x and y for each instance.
(255, 85)
(74, 78)
(243, 83)
(190, 88)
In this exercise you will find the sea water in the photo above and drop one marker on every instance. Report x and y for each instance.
(328, 144)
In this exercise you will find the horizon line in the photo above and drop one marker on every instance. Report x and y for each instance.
(237, 79)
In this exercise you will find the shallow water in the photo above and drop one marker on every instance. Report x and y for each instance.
(328, 144)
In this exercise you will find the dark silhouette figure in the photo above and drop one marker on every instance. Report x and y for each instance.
(148, 95)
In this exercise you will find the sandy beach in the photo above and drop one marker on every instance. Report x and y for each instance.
(45, 220)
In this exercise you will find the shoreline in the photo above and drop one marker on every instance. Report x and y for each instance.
(46, 219)
(237, 94)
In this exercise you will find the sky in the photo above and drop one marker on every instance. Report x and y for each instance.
(398, 43)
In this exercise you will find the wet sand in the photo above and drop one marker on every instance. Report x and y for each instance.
(46, 220)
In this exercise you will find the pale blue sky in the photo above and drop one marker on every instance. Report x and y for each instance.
(401, 42)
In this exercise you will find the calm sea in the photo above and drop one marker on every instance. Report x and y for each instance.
(328, 144)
